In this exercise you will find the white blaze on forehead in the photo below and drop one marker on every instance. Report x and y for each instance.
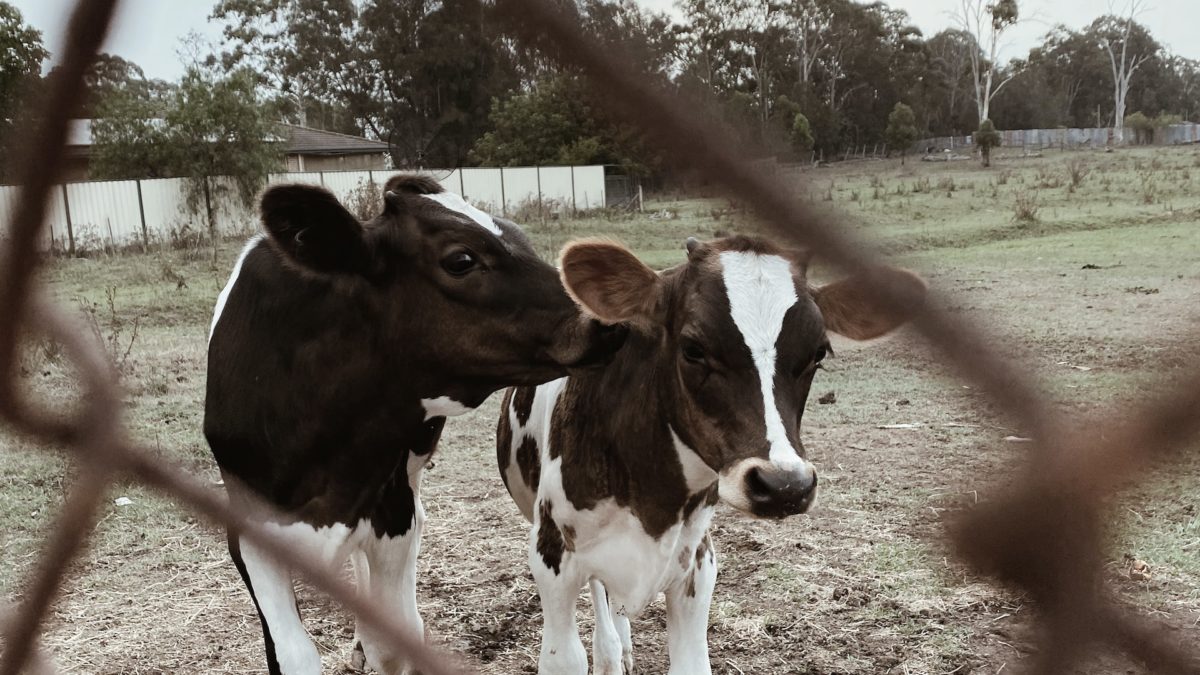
(456, 203)
(761, 291)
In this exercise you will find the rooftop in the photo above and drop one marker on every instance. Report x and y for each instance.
(299, 140)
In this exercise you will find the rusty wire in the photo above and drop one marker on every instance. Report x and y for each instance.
(1043, 537)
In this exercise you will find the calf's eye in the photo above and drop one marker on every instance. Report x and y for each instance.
(693, 352)
(820, 354)
(459, 263)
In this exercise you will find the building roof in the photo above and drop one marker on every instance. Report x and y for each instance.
(309, 141)
(299, 140)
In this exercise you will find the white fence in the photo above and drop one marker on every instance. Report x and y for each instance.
(102, 214)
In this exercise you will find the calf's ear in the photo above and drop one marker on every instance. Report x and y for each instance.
(851, 311)
(314, 230)
(607, 281)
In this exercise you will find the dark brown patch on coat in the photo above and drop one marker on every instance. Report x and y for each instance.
(685, 556)
(529, 463)
(522, 402)
(703, 549)
(707, 496)
(690, 589)
(504, 437)
(550, 540)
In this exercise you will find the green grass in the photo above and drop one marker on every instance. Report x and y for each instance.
(1092, 338)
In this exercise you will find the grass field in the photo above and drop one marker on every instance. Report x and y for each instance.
(1084, 266)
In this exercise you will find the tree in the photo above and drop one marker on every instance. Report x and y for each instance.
(987, 138)
(21, 56)
(1142, 126)
(802, 138)
(901, 130)
(1115, 37)
(557, 122)
(211, 127)
(986, 22)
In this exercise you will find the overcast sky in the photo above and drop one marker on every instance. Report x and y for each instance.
(148, 32)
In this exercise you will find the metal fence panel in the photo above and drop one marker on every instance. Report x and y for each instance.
(105, 214)
(589, 187)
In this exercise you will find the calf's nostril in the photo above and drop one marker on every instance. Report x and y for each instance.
(756, 485)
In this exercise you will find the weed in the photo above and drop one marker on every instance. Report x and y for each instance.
(1148, 187)
(876, 181)
(947, 184)
(1003, 176)
(365, 201)
(1077, 170)
(854, 196)
(112, 335)
(1026, 207)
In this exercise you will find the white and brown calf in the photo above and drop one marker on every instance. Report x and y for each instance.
(620, 469)
(337, 350)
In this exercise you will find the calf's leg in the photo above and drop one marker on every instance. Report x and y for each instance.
(558, 585)
(289, 649)
(606, 640)
(688, 600)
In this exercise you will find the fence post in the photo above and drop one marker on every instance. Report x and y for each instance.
(503, 198)
(574, 206)
(70, 230)
(462, 188)
(142, 215)
(321, 177)
(541, 211)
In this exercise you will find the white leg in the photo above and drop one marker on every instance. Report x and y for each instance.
(362, 583)
(621, 622)
(606, 643)
(562, 650)
(392, 561)
(688, 601)
(271, 585)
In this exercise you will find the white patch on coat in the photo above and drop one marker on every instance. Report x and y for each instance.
(443, 406)
(224, 295)
(761, 291)
(457, 203)
(274, 593)
(696, 473)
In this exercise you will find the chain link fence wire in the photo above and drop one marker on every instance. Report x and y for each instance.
(1042, 537)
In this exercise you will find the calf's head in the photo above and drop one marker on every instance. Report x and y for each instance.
(453, 288)
(734, 337)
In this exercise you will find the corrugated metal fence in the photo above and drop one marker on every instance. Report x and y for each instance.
(1173, 134)
(109, 214)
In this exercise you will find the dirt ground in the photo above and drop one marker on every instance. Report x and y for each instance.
(1095, 296)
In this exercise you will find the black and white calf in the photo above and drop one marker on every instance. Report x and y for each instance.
(336, 351)
(620, 469)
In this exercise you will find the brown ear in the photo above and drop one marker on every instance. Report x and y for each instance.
(851, 311)
(609, 282)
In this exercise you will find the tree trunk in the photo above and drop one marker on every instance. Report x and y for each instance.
(986, 152)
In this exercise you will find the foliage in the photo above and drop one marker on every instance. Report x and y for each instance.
(556, 122)
(986, 138)
(21, 56)
(901, 130)
(802, 138)
(210, 126)
(1142, 127)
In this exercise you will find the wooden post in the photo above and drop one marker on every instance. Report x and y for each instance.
(503, 197)
(70, 229)
(142, 214)
(574, 206)
(541, 211)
